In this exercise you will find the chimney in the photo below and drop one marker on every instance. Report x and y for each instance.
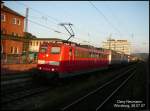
(2, 4)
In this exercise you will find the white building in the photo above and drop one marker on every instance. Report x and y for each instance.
(118, 45)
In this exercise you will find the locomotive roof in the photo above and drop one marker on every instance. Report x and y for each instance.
(53, 39)
(65, 42)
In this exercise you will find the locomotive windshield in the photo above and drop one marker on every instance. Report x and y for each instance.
(43, 49)
(55, 50)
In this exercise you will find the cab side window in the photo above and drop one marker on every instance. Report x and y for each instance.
(70, 52)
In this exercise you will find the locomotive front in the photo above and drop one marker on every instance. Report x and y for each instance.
(49, 58)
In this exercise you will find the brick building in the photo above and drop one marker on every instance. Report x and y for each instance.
(12, 23)
(12, 32)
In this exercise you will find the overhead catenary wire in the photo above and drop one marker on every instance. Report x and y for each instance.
(46, 27)
(87, 34)
(37, 11)
(41, 19)
(117, 20)
(100, 12)
(52, 18)
(43, 15)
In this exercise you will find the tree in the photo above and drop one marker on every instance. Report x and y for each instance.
(29, 35)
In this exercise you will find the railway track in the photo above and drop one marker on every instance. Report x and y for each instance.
(7, 77)
(22, 94)
(17, 84)
(21, 88)
(11, 81)
(21, 98)
(95, 99)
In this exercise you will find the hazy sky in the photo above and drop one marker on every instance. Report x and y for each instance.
(120, 19)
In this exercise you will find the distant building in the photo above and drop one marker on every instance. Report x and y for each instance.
(118, 45)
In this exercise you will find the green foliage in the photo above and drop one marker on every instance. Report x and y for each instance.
(29, 35)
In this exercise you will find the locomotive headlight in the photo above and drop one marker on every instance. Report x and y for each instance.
(53, 69)
(46, 55)
(41, 62)
(55, 63)
(40, 68)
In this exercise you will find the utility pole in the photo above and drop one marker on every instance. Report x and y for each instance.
(109, 41)
(115, 45)
(69, 31)
(123, 48)
(26, 23)
(131, 43)
(26, 44)
(132, 36)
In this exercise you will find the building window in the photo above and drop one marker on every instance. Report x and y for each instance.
(16, 50)
(36, 43)
(14, 34)
(11, 50)
(2, 48)
(18, 21)
(4, 31)
(3, 18)
(14, 21)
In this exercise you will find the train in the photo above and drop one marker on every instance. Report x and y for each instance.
(66, 59)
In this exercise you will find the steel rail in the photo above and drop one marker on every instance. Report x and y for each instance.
(114, 91)
(23, 94)
(92, 92)
(18, 88)
(15, 81)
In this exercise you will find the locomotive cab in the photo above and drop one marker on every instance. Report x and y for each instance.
(49, 58)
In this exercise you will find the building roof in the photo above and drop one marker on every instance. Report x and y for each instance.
(122, 40)
(6, 9)
(47, 39)
(54, 39)
(111, 40)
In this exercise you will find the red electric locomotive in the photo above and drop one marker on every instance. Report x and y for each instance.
(68, 59)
